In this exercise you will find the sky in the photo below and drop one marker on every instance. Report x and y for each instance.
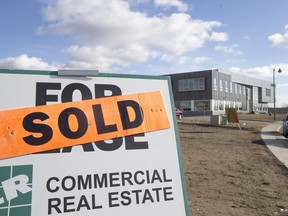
(148, 37)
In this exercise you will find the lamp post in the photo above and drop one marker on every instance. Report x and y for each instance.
(274, 92)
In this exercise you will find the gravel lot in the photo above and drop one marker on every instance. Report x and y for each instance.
(230, 171)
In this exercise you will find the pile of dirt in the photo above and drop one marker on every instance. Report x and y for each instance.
(231, 172)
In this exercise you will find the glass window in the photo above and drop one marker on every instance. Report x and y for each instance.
(201, 83)
(248, 94)
(240, 106)
(185, 105)
(221, 85)
(268, 92)
(185, 86)
(181, 85)
(195, 84)
(215, 105)
(227, 104)
(215, 84)
(221, 105)
(201, 105)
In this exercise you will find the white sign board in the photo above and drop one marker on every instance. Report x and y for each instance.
(135, 175)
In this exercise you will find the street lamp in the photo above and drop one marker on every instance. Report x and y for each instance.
(274, 95)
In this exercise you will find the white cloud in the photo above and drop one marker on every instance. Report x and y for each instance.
(102, 57)
(248, 38)
(266, 71)
(201, 59)
(166, 57)
(180, 5)
(229, 49)
(258, 71)
(225, 49)
(109, 33)
(185, 60)
(219, 36)
(137, 1)
(283, 85)
(26, 63)
(280, 40)
(235, 69)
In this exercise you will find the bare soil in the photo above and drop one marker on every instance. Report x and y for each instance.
(231, 171)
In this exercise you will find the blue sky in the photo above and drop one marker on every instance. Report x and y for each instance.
(153, 37)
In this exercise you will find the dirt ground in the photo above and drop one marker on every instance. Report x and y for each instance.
(231, 172)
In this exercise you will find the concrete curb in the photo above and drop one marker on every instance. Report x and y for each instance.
(276, 142)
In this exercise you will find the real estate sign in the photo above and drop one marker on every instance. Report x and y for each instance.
(88, 145)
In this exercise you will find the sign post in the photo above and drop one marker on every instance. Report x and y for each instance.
(102, 144)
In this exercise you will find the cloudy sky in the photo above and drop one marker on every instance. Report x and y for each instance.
(152, 37)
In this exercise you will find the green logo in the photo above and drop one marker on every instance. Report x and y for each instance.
(16, 190)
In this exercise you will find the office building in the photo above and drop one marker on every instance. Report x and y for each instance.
(209, 92)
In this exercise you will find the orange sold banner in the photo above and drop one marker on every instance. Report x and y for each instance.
(36, 129)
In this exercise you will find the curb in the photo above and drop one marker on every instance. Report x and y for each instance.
(276, 142)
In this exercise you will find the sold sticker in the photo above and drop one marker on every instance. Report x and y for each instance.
(41, 128)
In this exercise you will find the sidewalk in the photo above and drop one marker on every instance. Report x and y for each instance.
(276, 142)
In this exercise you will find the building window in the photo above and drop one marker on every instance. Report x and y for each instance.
(227, 104)
(244, 91)
(202, 105)
(236, 86)
(201, 83)
(221, 85)
(268, 92)
(240, 107)
(226, 86)
(248, 94)
(195, 84)
(231, 87)
(185, 105)
(240, 89)
(215, 84)
(215, 105)
(221, 105)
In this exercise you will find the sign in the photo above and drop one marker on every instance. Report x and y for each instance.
(113, 146)
(19, 129)
(232, 115)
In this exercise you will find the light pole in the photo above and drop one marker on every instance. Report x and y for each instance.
(274, 92)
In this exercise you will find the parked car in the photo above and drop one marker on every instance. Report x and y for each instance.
(178, 113)
(285, 125)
